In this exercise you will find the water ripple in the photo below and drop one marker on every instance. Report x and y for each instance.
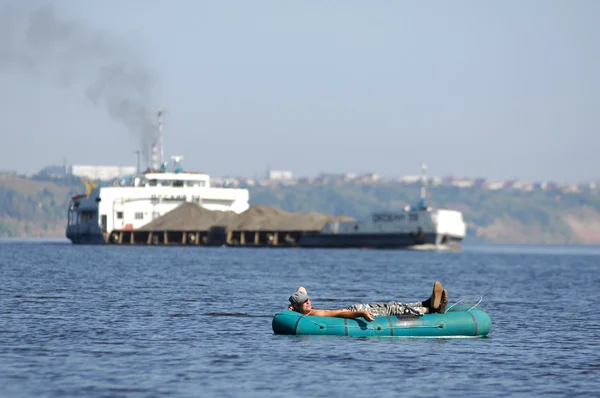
(111, 321)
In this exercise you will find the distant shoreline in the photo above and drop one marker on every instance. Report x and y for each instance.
(475, 247)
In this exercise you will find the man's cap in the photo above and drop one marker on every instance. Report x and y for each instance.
(299, 296)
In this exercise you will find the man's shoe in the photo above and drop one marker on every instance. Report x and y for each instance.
(436, 297)
(444, 302)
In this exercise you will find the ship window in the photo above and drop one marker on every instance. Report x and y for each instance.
(218, 202)
(139, 216)
(177, 183)
(86, 216)
(152, 183)
(119, 215)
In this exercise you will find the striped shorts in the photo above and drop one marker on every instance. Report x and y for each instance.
(391, 308)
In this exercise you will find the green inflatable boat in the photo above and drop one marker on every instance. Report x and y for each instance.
(454, 323)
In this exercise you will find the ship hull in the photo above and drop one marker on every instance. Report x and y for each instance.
(378, 241)
(86, 238)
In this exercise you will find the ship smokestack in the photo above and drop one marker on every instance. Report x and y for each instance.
(155, 166)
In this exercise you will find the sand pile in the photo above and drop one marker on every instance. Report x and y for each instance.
(258, 218)
(191, 216)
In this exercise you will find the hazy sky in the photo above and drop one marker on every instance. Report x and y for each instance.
(506, 89)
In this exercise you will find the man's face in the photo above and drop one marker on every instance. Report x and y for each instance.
(304, 307)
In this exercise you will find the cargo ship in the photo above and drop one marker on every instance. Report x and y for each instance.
(136, 200)
(418, 227)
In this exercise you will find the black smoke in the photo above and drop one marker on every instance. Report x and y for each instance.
(107, 70)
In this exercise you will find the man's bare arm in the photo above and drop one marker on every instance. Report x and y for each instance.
(343, 313)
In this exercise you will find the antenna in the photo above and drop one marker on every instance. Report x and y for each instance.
(138, 152)
(160, 136)
(423, 181)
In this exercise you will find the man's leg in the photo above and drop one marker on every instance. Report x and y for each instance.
(391, 308)
(443, 302)
(434, 302)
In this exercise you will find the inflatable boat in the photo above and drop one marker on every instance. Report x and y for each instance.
(455, 323)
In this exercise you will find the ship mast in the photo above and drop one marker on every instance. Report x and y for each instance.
(160, 136)
(423, 182)
(138, 153)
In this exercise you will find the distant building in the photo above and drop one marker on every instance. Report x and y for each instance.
(247, 182)
(326, 178)
(369, 177)
(279, 175)
(435, 181)
(464, 183)
(527, 186)
(548, 185)
(573, 188)
(102, 173)
(495, 185)
(480, 182)
(231, 183)
(339, 177)
(54, 171)
(449, 180)
(305, 180)
(519, 184)
(410, 179)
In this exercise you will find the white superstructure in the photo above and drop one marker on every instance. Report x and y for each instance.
(426, 220)
(138, 199)
(99, 172)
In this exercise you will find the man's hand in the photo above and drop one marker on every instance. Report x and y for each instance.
(368, 315)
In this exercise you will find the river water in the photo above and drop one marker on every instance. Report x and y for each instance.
(100, 321)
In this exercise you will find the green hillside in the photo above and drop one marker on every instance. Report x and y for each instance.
(493, 216)
(37, 207)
